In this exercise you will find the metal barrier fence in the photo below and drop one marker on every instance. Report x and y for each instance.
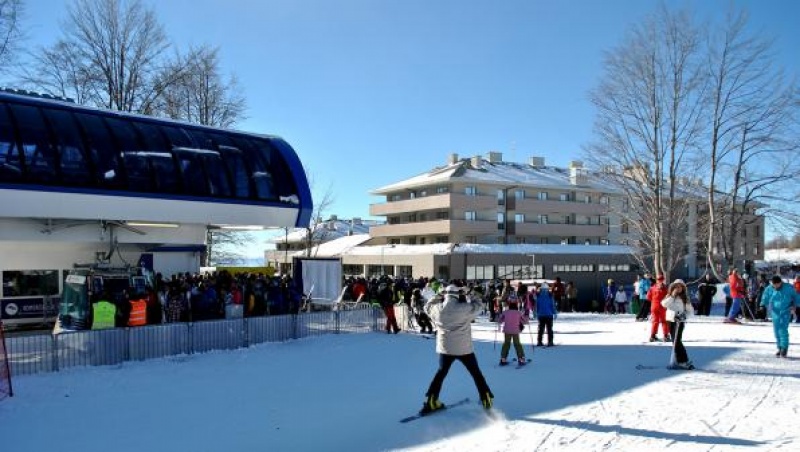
(51, 353)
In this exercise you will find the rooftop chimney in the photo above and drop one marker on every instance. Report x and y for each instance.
(453, 159)
(476, 162)
(537, 162)
(495, 157)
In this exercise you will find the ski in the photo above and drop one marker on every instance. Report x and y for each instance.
(644, 367)
(446, 407)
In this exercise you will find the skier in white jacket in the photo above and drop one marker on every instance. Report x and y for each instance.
(678, 308)
(453, 312)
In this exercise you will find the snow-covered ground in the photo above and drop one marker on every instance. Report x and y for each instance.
(348, 392)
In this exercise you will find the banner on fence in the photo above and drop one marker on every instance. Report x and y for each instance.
(5, 370)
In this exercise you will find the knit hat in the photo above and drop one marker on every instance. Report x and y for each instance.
(677, 282)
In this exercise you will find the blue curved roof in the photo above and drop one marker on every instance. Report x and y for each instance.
(54, 146)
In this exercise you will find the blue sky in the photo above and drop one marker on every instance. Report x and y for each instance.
(371, 92)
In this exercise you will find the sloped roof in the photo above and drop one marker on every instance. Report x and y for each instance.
(500, 173)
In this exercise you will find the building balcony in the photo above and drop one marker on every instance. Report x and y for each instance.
(437, 227)
(563, 207)
(563, 230)
(445, 201)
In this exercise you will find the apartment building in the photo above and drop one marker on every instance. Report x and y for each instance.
(489, 201)
(485, 200)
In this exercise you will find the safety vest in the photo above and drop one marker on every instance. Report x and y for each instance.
(138, 315)
(103, 313)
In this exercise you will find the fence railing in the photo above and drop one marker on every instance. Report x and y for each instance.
(51, 353)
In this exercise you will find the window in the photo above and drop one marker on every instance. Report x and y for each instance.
(572, 268)
(587, 199)
(470, 215)
(471, 239)
(423, 193)
(519, 271)
(567, 219)
(625, 205)
(75, 166)
(352, 270)
(412, 194)
(405, 271)
(441, 239)
(440, 190)
(501, 197)
(519, 218)
(476, 272)
(519, 194)
(501, 220)
(470, 191)
(103, 150)
(604, 242)
(587, 242)
(756, 249)
(28, 283)
(564, 197)
(614, 268)
(521, 240)
(162, 166)
(10, 159)
(542, 196)
(603, 199)
(423, 217)
(542, 219)
(624, 227)
(394, 197)
(442, 215)
(40, 157)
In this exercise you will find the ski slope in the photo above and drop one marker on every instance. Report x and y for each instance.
(348, 393)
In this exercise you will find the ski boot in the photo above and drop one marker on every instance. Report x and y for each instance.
(430, 405)
(487, 399)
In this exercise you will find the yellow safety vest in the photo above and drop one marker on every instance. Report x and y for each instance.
(103, 313)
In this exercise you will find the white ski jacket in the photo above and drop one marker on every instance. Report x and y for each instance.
(453, 320)
(675, 306)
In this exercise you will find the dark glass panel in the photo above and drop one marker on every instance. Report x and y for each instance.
(177, 137)
(135, 157)
(159, 155)
(11, 168)
(191, 166)
(40, 157)
(76, 168)
(103, 150)
(240, 176)
(260, 172)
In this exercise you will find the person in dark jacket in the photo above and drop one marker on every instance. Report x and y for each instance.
(545, 312)
(706, 291)
(386, 300)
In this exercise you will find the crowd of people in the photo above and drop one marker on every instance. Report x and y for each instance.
(196, 297)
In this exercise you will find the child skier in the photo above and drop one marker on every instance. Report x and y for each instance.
(418, 305)
(545, 312)
(512, 320)
(678, 307)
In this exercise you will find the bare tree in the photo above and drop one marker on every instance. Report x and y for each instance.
(201, 95)
(10, 31)
(316, 232)
(647, 127)
(112, 55)
(224, 246)
(753, 136)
